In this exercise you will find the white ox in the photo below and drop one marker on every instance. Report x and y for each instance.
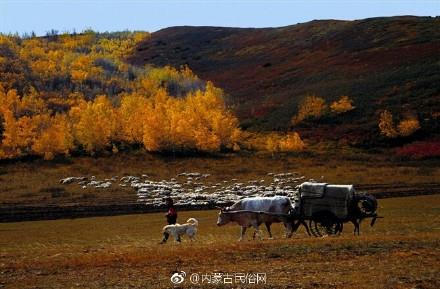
(273, 205)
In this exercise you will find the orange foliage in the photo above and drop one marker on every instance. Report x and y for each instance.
(77, 92)
(131, 114)
(386, 124)
(291, 142)
(9, 101)
(216, 125)
(32, 103)
(156, 126)
(408, 126)
(310, 107)
(344, 104)
(18, 135)
(95, 124)
(272, 144)
(55, 137)
(199, 121)
(83, 67)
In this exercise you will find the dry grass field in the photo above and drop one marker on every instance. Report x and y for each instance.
(401, 251)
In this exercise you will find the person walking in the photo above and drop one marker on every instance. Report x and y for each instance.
(171, 216)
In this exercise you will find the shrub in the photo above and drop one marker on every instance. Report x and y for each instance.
(408, 126)
(310, 107)
(420, 150)
(344, 104)
(290, 142)
(386, 124)
(405, 127)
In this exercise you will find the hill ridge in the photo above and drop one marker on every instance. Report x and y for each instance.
(381, 63)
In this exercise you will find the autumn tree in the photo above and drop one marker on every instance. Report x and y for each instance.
(138, 36)
(29, 129)
(216, 126)
(310, 107)
(344, 104)
(32, 103)
(12, 67)
(200, 121)
(18, 135)
(83, 67)
(176, 82)
(156, 125)
(9, 101)
(18, 131)
(95, 124)
(408, 126)
(291, 142)
(272, 144)
(54, 138)
(131, 113)
(386, 124)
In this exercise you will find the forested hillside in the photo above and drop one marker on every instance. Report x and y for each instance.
(65, 94)
(75, 94)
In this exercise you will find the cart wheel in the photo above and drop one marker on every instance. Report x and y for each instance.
(325, 226)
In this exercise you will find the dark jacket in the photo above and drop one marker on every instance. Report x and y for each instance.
(171, 215)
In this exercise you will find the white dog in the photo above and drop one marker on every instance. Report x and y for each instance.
(177, 230)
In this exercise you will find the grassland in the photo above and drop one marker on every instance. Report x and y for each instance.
(401, 251)
(37, 182)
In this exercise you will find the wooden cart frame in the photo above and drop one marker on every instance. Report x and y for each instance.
(327, 207)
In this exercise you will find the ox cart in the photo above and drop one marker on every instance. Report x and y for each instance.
(327, 207)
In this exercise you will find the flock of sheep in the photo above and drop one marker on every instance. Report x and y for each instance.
(196, 189)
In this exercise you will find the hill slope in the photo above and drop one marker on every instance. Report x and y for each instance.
(380, 63)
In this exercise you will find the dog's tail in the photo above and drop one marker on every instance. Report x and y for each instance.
(165, 228)
(192, 221)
